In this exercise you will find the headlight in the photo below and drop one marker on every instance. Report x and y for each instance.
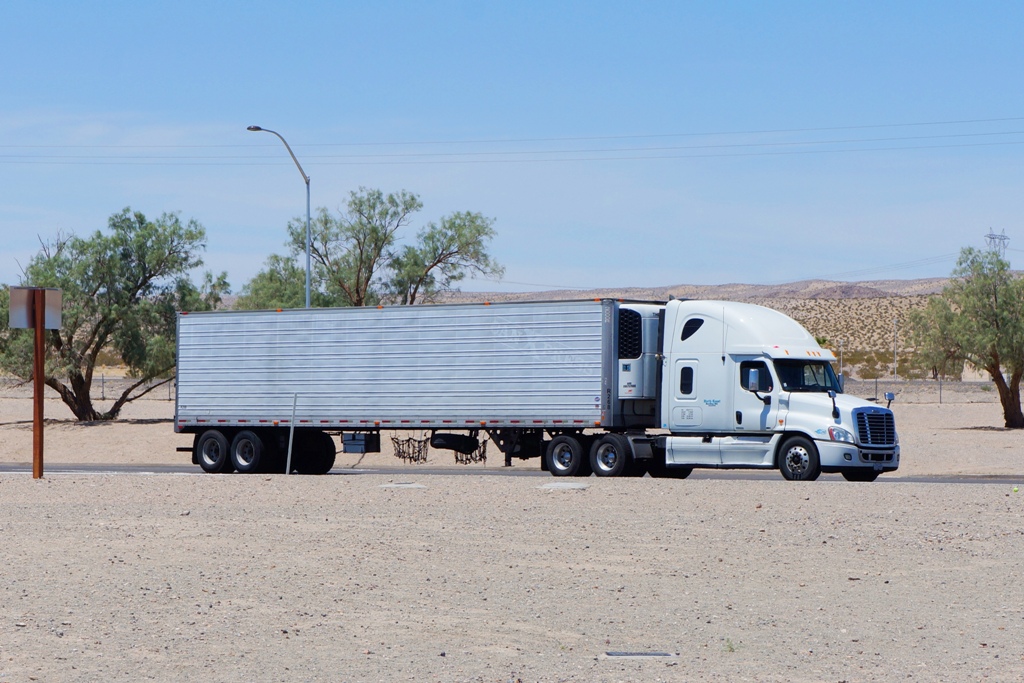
(840, 434)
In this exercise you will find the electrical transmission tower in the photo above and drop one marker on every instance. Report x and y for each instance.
(997, 242)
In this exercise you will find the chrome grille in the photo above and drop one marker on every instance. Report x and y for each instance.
(876, 427)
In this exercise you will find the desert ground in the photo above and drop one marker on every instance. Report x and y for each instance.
(380, 577)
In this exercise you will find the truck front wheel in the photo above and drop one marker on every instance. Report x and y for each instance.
(564, 456)
(798, 459)
(860, 475)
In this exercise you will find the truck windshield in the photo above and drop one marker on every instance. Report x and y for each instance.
(806, 375)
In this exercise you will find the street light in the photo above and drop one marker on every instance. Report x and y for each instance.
(305, 178)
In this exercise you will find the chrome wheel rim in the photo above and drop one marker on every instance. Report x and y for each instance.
(562, 457)
(607, 457)
(244, 453)
(798, 461)
(211, 452)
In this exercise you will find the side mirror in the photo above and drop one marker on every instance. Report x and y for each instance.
(890, 397)
(842, 383)
(753, 379)
(835, 410)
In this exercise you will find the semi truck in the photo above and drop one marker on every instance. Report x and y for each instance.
(609, 387)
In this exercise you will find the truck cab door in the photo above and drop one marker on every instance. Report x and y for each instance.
(756, 413)
(689, 443)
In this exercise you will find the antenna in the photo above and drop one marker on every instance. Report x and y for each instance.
(997, 242)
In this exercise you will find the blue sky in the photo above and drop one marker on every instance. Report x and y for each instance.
(615, 144)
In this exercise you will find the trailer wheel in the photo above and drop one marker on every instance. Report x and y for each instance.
(247, 451)
(610, 456)
(212, 451)
(798, 459)
(564, 456)
(317, 454)
(860, 475)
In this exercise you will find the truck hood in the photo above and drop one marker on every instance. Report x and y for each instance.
(821, 404)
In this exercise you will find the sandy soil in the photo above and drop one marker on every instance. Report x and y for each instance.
(358, 577)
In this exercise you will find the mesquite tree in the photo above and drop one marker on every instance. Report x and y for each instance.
(979, 319)
(122, 290)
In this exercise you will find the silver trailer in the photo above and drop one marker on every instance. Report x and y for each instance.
(524, 374)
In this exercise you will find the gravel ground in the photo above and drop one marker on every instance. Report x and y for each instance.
(367, 577)
(354, 577)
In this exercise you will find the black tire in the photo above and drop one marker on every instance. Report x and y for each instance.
(798, 459)
(611, 456)
(586, 442)
(313, 453)
(637, 468)
(247, 452)
(860, 475)
(659, 470)
(326, 454)
(565, 456)
(213, 452)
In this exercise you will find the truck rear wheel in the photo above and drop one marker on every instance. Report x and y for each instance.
(798, 459)
(564, 456)
(212, 451)
(247, 451)
(610, 456)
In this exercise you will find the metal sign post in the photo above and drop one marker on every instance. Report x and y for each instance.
(39, 309)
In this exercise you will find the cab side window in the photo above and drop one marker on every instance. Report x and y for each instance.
(764, 377)
(686, 381)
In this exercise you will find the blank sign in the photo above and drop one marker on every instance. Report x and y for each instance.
(21, 308)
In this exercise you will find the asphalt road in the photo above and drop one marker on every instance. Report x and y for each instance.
(515, 471)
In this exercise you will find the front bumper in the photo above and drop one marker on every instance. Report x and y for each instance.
(836, 456)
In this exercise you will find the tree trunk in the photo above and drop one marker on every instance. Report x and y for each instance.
(1009, 397)
(76, 397)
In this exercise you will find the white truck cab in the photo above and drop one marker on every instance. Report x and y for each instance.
(746, 386)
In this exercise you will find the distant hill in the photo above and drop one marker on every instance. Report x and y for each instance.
(806, 289)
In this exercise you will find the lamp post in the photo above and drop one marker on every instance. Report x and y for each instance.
(305, 179)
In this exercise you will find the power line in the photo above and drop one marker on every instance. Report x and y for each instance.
(213, 161)
(769, 131)
(740, 145)
(875, 270)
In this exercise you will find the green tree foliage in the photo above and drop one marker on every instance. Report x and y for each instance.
(979, 319)
(443, 255)
(122, 290)
(357, 260)
(281, 284)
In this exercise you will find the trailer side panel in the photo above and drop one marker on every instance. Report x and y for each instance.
(451, 366)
